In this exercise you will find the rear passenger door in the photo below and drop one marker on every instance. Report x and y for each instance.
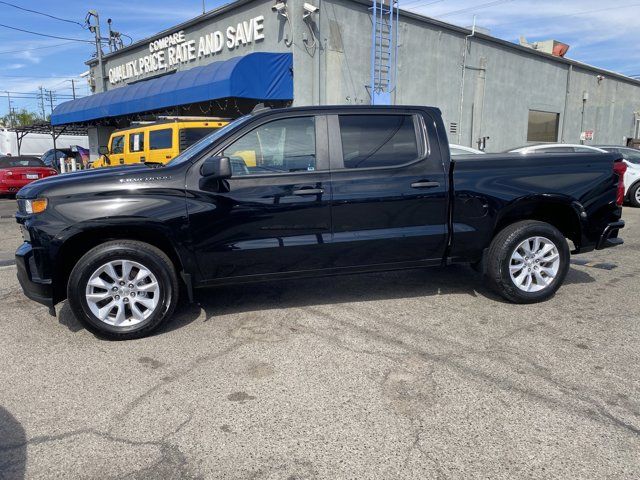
(389, 189)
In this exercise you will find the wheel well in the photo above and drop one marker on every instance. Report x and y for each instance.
(631, 187)
(561, 216)
(73, 249)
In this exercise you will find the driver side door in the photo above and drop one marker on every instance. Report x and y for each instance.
(273, 216)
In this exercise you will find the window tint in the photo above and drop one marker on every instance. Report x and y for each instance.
(287, 145)
(8, 162)
(543, 126)
(189, 136)
(584, 150)
(117, 144)
(159, 139)
(554, 150)
(632, 156)
(136, 142)
(377, 140)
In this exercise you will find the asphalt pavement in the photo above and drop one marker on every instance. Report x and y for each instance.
(419, 374)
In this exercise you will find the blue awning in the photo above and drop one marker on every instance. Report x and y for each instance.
(256, 76)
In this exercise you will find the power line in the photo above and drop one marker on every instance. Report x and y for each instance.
(420, 3)
(6, 52)
(477, 7)
(46, 35)
(41, 13)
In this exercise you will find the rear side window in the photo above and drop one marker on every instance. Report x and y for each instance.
(117, 144)
(189, 136)
(160, 139)
(631, 155)
(136, 142)
(378, 140)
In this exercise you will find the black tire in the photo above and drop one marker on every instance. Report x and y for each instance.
(498, 260)
(633, 195)
(152, 258)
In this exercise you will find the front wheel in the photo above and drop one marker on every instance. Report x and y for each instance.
(123, 289)
(528, 261)
(634, 195)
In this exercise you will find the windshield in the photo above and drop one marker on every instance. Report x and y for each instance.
(206, 142)
(8, 162)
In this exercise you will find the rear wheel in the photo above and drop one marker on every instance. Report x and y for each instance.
(123, 289)
(528, 261)
(634, 195)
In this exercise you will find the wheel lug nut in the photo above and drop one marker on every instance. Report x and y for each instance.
(126, 300)
(133, 294)
(131, 285)
(115, 289)
(117, 297)
(121, 283)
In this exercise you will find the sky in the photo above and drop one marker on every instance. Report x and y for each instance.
(599, 33)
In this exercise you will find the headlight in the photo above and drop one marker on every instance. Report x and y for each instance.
(36, 205)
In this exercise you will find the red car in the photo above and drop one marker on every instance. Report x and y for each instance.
(16, 172)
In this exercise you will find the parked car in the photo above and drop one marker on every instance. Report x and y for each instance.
(632, 176)
(119, 242)
(51, 158)
(16, 172)
(461, 150)
(154, 143)
(556, 148)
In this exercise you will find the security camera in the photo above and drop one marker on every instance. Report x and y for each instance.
(309, 9)
(279, 8)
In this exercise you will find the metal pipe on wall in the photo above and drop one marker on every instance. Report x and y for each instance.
(464, 69)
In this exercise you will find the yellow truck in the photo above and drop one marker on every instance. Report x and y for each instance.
(157, 142)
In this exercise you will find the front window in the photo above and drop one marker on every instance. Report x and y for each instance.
(281, 146)
(117, 144)
(543, 126)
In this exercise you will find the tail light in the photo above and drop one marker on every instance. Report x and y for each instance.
(619, 168)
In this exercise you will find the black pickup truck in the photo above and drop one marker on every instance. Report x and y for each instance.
(305, 192)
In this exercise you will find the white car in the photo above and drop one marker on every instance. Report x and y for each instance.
(557, 148)
(460, 150)
(632, 176)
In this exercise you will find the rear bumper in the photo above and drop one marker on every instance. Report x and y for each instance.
(34, 287)
(609, 237)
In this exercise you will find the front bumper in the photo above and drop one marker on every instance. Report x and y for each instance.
(37, 289)
(609, 237)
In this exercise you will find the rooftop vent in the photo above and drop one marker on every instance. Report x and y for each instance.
(553, 47)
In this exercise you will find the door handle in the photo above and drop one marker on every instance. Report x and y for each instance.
(425, 184)
(308, 191)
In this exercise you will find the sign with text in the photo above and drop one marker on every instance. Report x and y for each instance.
(168, 52)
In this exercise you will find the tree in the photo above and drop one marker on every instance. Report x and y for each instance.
(20, 118)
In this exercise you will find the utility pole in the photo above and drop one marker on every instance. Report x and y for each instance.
(11, 122)
(96, 31)
(203, 7)
(53, 132)
(41, 103)
(73, 88)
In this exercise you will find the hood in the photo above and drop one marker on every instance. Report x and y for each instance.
(98, 180)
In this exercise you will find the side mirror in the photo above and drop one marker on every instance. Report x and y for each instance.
(216, 167)
(103, 150)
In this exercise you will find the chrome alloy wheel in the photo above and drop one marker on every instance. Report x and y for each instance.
(638, 195)
(122, 293)
(534, 264)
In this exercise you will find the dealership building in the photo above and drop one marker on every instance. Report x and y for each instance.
(320, 52)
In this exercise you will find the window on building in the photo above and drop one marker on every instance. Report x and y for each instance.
(543, 126)
(117, 144)
(637, 130)
(287, 145)
(160, 139)
(378, 140)
(136, 142)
